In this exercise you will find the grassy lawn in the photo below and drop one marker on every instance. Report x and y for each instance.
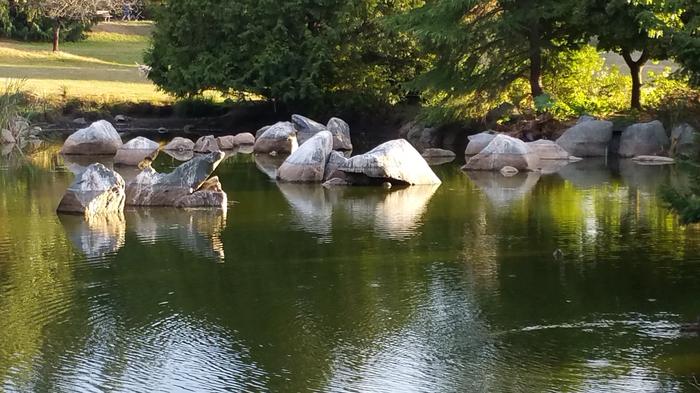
(102, 68)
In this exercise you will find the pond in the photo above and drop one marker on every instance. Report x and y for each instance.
(577, 281)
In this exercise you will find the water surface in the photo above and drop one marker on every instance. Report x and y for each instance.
(295, 288)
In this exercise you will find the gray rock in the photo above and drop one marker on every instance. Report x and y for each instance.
(548, 150)
(393, 161)
(332, 170)
(188, 185)
(437, 153)
(135, 151)
(643, 139)
(683, 140)
(245, 138)
(261, 131)
(585, 118)
(503, 151)
(653, 160)
(206, 144)
(97, 139)
(226, 142)
(80, 121)
(279, 138)
(308, 163)
(478, 142)
(587, 139)
(180, 144)
(306, 128)
(341, 134)
(96, 191)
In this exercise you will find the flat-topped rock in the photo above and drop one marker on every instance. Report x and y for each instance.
(503, 151)
(279, 138)
(548, 150)
(180, 144)
(438, 153)
(644, 139)
(395, 161)
(653, 160)
(206, 144)
(587, 139)
(341, 134)
(245, 138)
(97, 190)
(181, 187)
(308, 163)
(135, 151)
(100, 138)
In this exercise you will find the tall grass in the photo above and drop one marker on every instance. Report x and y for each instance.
(12, 100)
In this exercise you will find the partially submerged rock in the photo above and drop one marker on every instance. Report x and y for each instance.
(180, 144)
(478, 142)
(245, 138)
(548, 150)
(332, 170)
(435, 153)
(308, 163)
(187, 186)
(503, 151)
(206, 144)
(643, 139)
(653, 160)
(261, 131)
(341, 134)
(587, 139)
(279, 138)
(100, 138)
(96, 191)
(135, 151)
(394, 161)
(306, 128)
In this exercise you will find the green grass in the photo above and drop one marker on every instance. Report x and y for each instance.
(102, 68)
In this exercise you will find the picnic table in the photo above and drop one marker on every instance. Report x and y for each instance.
(106, 15)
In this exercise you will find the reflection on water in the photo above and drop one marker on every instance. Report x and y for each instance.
(439, 289)
(95, 236)
(269, 164)
(194, 230)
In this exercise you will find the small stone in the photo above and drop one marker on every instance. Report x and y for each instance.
(180, 144)
(206, 144)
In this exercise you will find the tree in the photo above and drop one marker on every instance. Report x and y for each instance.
(638, 30)
(61, 12)
(295, 52)
(482, 47)
(686, 41)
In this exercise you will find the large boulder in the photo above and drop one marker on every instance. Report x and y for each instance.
(306, 128)
(206, 144)
(95, 191)
(179, 144)
(478, 142)
(279, 138)
(341, 134)
(332, 170)
(643, 139)
(188, 185)
(261, 131)
(135, 151)
(501, 152)
(245, 138)
(394, 161)
(308, 163)
(226, 142)
(587, 139)
(683, 140)
(548, 150)
(100, 138)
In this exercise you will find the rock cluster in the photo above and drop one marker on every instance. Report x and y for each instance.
(277, 138)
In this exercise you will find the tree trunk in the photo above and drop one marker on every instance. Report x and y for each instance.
(636, 68)
(535, 62)
(56, 35)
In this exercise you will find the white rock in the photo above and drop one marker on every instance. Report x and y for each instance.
(341, 134)
(478, 142)
(100, 138)
(308, 163)
(134, 151)
(180, 144)
(280, 138)
(245, 138)
(503, 151)
(96, 191)
(306, 128)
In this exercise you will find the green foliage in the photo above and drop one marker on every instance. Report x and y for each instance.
(23, 22)
(12, 100)
(297, 52)
(685, 202)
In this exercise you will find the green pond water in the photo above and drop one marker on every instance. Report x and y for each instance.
(295, 288)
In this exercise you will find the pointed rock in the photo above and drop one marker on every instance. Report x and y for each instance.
(279, 138)
(341, 134)
(135, 151)
(96, 191)
(100, 138)
(306, 128)
(308, 163)
(206, 144)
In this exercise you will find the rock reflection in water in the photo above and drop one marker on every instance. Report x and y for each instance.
(180, 155)
(395, 214)
(194, 230)
(501, 190)
(268, 164)
(647, 178)
(95, 236)
(78, 163)
(587, 173)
